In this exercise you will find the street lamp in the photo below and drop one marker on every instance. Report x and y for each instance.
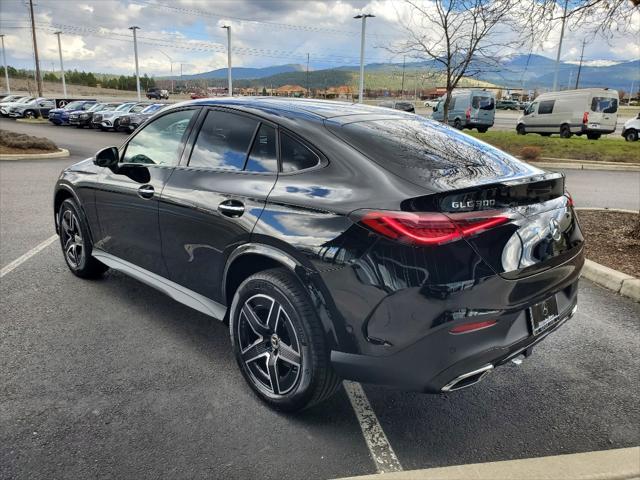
(228, 28)
(364, 17)
(135, 52)
(170, 63)
(64, 83)
(4, 59)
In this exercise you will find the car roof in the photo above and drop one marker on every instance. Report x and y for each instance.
(293, 108)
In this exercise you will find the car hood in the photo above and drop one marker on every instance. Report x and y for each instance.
(633, 122)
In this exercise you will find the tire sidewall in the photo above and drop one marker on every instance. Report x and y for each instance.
(303, 390)
(70, 204)
(631, 136)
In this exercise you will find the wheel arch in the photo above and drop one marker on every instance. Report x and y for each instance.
(252, 258)
(63, 193)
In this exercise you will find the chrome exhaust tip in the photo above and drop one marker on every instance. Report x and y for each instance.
(467, 379)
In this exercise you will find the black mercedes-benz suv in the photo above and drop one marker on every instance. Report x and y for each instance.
(337, 240)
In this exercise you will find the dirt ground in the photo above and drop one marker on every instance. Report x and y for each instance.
(611, 239)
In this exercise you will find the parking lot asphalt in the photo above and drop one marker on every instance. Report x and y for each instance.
(110, 378)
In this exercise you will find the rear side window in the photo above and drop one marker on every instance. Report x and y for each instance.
(263, 157)
(296, 156)
(223, 141)
(483, 103)
(546, 107)
(604, 104)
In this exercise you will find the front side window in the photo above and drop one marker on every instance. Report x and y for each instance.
(531, 108)
(223, 141)
(159, 142)
(546, 107)
(296, 156)
(452, 104)
(263, 157)
(604, 104)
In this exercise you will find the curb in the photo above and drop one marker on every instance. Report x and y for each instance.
(63, 152)
(585, 165)
(625, 285)
(618, 464)
(605, 209)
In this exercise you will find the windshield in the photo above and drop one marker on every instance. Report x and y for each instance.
(97, 107)
(604, 104)
(122, 107)
(25, 100)
(152, 108)
(74, 106)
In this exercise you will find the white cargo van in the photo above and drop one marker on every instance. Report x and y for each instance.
(472, 108)
(592, 111)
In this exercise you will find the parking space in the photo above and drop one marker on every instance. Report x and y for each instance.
(110, 378)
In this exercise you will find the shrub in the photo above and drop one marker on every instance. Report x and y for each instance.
(24, 142)
(530, 153)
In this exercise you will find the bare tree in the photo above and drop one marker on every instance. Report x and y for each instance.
(460, 37)
(602, 18)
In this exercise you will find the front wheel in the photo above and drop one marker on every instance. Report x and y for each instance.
(631, 135)
(279, 342)
(520, 129)
(75, 242)
(457, 124)
(29, 114)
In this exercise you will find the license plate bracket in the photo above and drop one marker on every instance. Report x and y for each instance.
(543, 315)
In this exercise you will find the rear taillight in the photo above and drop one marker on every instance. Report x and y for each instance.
(570, 199)
(468, 113)
(585, 118)
(428, 228)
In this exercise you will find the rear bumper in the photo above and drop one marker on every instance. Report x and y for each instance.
(466, 358)
(601, 131)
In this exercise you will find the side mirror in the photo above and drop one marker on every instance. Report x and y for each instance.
(435, 109)
(107, 158)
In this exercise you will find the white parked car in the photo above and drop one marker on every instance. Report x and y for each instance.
(431, 103)
(589, 111)
(631, 129)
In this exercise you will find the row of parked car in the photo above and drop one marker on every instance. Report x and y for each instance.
(119, 116)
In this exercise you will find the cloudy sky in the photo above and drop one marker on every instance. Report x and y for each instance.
(265, 32)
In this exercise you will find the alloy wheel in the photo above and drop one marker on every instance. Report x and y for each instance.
(269, 345)
(71, 238)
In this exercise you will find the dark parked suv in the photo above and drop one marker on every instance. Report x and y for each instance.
(336, 240)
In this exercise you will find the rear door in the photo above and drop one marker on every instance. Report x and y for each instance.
(215, 197)
(483, 109)
(603, 112)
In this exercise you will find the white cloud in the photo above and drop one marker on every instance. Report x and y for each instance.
(325, 29)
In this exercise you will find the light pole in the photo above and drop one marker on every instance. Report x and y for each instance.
(35, 50)
(135, 52)
(4, 59)
(228, 28)
(555, 74)
(171, 63)
(64, 84)
(364, 17)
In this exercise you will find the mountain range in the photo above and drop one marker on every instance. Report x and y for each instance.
(527, 71)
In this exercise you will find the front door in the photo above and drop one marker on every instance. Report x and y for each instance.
(127, 198)
(210, 205)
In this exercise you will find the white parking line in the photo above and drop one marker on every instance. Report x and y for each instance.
(381, 451)
(23, 258)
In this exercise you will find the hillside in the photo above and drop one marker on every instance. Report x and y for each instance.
(241, 73)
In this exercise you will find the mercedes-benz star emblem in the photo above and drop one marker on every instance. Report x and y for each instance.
(554, 230)
(275, 341)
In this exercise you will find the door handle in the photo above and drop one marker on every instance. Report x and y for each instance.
(146, 191)
(231, 208)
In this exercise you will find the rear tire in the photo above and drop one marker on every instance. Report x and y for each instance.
(545, 134)
(565, 131)
(520, 129)
(457, 124)
(631, 136)
(76, 242)
(279, 342)
(593, 136)
(482, 129)
(29, 114)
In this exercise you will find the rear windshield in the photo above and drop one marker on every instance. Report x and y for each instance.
(483, 103)
(427, 152)
(604, 104)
